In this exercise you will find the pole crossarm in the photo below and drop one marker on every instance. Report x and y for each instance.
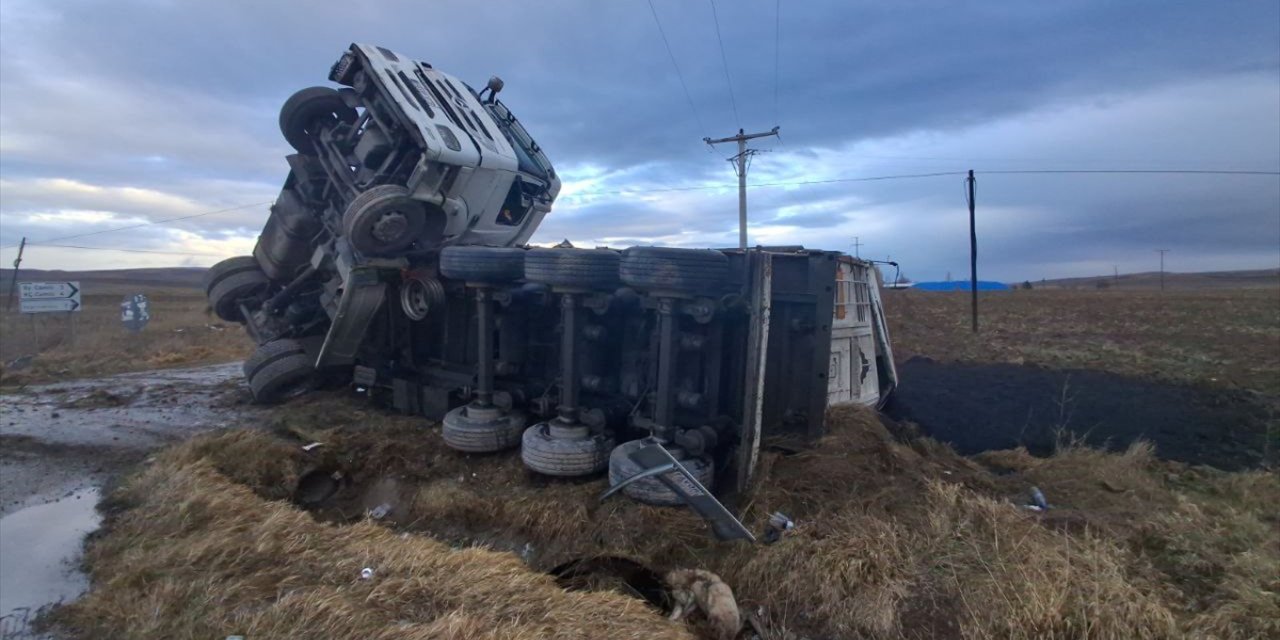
(740, 166)
(742, 137)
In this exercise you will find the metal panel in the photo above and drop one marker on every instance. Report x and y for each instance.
(853, 375)
(757, 348)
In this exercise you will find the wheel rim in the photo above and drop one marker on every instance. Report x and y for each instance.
(415, 299)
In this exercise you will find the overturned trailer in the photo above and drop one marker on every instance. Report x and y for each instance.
(395, 260)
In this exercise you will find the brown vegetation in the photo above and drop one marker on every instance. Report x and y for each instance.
(1224, 338)
(51, 346)
(897, 536)
(894, 539)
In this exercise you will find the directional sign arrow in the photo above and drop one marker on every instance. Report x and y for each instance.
(48, 305)
(49, 290)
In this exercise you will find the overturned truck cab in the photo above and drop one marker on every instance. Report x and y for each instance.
(395, 260)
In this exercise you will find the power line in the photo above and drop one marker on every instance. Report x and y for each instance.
(725, 61)
(172, 253)
(144, 224)
(688, 96)
(908, 176)
(1137, 171)
(776, 184)
(777, 31)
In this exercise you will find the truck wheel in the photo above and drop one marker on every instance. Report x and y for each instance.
(233, 280)
(564, 455)
(665, 269)
(474, 429)
(279, 370)
(306, 111)
(652, 490)
(579, 268)
(489, 265)
(384, 220)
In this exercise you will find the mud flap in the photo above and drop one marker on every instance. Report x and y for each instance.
(657, 461)
(362, 295)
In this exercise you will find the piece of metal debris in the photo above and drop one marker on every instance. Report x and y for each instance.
(313, 445)
(366, 573)
(381, 511)
(779, 524)
(1038, 500)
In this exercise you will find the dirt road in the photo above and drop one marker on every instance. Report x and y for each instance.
(59, 443)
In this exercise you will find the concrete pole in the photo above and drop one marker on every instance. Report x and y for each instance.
(740, 161)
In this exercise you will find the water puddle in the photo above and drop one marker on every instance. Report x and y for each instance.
(39, 554)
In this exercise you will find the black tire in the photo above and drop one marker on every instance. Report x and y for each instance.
(306, 111)
(365, 221)
(491, 265)
(482, 430)
(665, 269)
(564, 457)
(279, 370)
(652, 490)
(231, 281)
(595, 269)
(226, 268)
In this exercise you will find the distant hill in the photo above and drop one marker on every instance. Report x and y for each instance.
(112, 280)
(1248, 279)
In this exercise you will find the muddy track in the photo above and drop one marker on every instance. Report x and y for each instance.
(61, 443)
(981, 407)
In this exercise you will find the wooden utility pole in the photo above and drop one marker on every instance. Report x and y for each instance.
(1162, 252)
(740, 166)
(971, 190)
(856, 244)
(13, 282)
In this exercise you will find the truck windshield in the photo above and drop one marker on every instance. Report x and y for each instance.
(529, 158)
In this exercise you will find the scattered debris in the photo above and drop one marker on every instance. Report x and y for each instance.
(381, 511)
(366, 573)
(1037, 499)
(313, 445)
(779, 524)
(19, 363)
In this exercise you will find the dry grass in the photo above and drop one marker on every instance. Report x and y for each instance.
(179, 334)
(191, 553)
(1225, 338)
(897, 536)
(894, 539)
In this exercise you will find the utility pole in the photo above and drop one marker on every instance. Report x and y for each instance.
(1162, 252)
(856, 244)
(740, 166)
(1116, 270)
(971, 192)
(13, 282)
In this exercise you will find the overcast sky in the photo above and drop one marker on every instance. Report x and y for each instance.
(116, 113)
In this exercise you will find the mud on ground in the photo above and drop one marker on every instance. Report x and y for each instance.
(980, 407)
(896, 537)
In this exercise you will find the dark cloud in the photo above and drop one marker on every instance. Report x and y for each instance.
(181, 99)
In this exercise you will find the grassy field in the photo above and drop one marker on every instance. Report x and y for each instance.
(1227, 338)
(898, 536)
(49, 347)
